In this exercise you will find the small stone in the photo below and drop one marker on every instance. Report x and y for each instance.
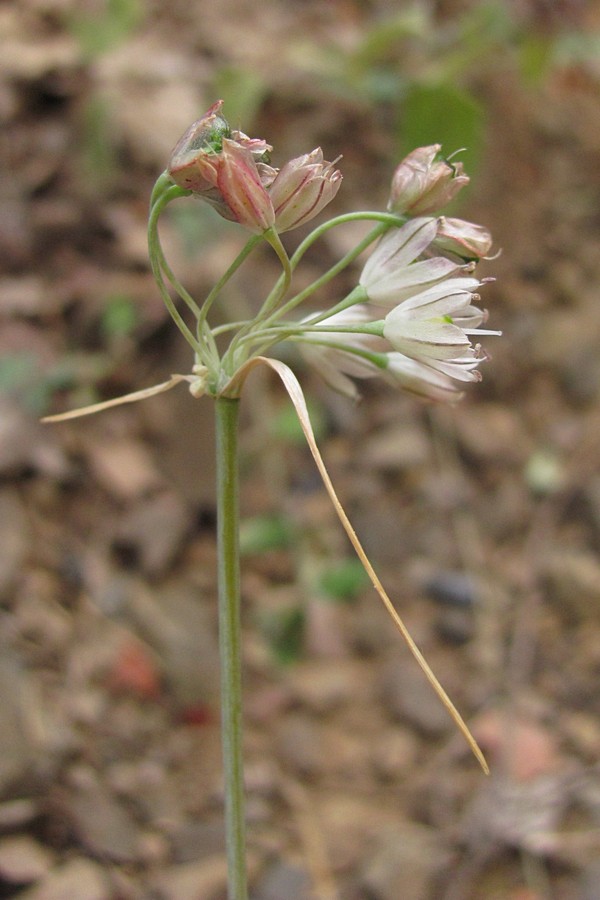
(397, 447)
(154, 531)
(80, 878)
(101, 822)
(409, 697)
(394, 752)
(205, 879)
(574, 582)
(325, 685)
(22, 859)
(284, 880)
(452, 589)
(410, 855)
(124, 467)
(300, 745)
(16, 746)
(455, 626)
(14, 538)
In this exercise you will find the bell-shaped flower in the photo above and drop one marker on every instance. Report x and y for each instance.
(302, 188)
(430, 324)
(391, 274)
(424, 182)
(463, 239)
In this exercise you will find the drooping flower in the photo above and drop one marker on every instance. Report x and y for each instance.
(302, 188)
(436, 323)
(424, 182)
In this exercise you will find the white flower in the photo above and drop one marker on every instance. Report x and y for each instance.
(391, 274)
(436, 323)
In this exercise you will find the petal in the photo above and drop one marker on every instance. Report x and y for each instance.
(418, 378)
(399, 284)
(398, 247)
(439, 340)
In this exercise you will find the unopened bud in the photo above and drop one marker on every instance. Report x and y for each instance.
(424, 182)
(222, 168)
(302, 188)
(191, 165)
(464, 239)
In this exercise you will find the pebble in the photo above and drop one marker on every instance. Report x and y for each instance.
(14, 538)
(16, 744)
(78, 879)
(154, 529)
(284, 880)
(409, 698)
(394, 752)
(101, 822)
(204, 879)
(325, 685)
(300, 745)
(23, 859)
(410, 855)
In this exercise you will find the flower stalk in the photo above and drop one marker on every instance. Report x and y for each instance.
(227, 418)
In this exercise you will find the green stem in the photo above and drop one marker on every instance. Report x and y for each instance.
(227, 413)
(385, 220)
(161, 196)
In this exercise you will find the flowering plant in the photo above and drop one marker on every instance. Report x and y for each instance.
(411, 318)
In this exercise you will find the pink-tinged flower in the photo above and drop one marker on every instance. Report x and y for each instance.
(241, 188)
(463, 239)
(192, 161)
(391, 274)
(337, 355)
(302, 188)
(424, 182)
(227, 169)
(435, 324)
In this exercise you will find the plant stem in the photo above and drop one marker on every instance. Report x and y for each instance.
(227, 414)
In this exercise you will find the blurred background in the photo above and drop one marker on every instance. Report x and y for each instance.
(483, 520)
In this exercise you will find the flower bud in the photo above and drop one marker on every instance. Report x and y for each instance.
(302, 188)
(240, 186)
(463, 239)
(424, 182)
(222, 168)
(192, 161)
